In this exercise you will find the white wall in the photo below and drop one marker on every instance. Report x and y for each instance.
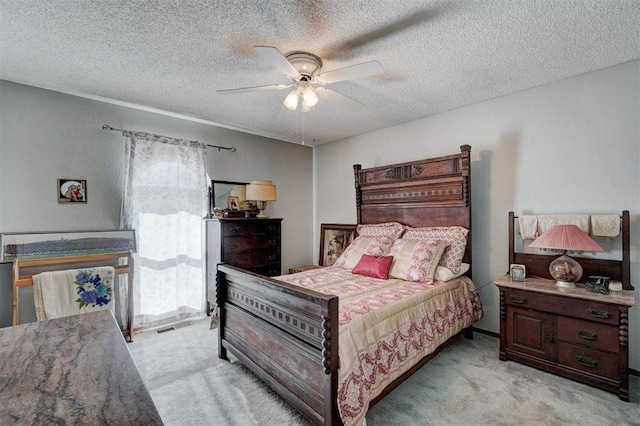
(571, 146)
(47, 135)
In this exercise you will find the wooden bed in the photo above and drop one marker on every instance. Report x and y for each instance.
(24, 270)
(275, 328)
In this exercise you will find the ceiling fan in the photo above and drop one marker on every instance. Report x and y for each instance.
(307, 79)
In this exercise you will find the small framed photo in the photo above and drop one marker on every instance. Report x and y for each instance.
(233, 202)
(334, 239)
(518, 272)
(72, 191)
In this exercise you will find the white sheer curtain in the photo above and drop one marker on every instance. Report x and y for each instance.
(165, 199)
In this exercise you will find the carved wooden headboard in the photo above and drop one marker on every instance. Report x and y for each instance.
(430, 192)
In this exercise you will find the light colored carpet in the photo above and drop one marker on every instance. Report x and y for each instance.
(466, 384)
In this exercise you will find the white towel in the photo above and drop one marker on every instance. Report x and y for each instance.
(546, 221)
(528, 225)
(605, 225)
(75, 291)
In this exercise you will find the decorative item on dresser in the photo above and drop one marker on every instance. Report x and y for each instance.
(295, 333)
(252, 244)
(571, 332)
(261, 191)
(567, 237)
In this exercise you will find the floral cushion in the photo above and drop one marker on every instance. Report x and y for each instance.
(455, 236)
(374, 266)
(373, 246)
(416, 260)
(392, 230)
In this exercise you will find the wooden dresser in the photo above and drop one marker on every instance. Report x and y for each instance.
(567, 331)
(252, 244)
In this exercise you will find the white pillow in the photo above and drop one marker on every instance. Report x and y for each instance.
(445, 274)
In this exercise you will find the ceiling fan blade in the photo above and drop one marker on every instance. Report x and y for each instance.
(365, 69)
(339, 99)
(274, 56)
(254, 88)
(342, 49)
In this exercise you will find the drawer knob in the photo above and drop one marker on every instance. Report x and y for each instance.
(518, 299)
(234, 230)
(233, 246)
(598, 313)
(586, 334)
(273, 243)
(587, 362)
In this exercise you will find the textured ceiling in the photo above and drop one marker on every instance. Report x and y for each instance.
(437, 55)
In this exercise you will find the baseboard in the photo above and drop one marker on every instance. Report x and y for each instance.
(486, 332)
(497, 336)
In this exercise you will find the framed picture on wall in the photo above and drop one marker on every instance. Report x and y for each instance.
(334, 239)
(72, 191)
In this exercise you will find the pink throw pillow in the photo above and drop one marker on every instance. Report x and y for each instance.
(374, 266)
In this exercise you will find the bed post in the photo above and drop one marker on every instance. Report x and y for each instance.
(626, 252)
(465, 171)
(221, 291)
(330, 335)
(356, 179)
(512, 247)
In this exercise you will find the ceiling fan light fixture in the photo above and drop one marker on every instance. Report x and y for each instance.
(291, 101)
(309, 96)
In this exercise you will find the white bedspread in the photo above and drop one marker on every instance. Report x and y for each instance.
(387, 326)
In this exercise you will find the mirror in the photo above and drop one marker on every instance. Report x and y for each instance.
(218, 193)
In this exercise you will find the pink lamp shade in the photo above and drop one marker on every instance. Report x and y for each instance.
(565, 270)
(566, 237)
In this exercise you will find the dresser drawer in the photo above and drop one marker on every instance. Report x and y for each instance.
(268, 270)
(588, 360)
(250, 228)
(594, 311)
(579, 308)
(241, 244)
(589, 333)
(253, 259)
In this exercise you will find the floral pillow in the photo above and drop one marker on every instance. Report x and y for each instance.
(455, 236)
(373, 246)
(416, 260)
(392, 230)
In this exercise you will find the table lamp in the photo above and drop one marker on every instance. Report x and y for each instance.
(565, 270)
(261, 191)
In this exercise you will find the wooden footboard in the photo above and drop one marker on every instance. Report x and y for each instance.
(286, 335)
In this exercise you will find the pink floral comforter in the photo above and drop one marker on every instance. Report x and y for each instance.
(387, 326)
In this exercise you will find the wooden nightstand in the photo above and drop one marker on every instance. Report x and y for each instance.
(570, 332)
(303, 268)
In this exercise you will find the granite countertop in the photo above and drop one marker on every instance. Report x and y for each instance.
(71, 371)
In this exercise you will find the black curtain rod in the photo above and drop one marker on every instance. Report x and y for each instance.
(228, 148)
